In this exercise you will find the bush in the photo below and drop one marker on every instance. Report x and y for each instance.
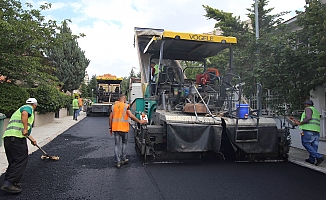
(11, 98)
(66, 100)
(49, 98)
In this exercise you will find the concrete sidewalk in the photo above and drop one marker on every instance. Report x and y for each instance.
(298, 154)
(43, 135)
(48, 132)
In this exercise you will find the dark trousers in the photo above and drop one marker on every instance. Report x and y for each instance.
(17, 156)
(153, 88)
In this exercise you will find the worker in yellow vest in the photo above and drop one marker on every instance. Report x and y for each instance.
(119, 125)
(310, 126)
(15, 144)
(75, 107)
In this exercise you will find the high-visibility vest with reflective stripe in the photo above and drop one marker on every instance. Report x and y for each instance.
(120, 119)
(15, 126)
(75, 104)
(156, 69)
(314, 123)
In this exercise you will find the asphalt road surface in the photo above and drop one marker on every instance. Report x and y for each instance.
(86, 171)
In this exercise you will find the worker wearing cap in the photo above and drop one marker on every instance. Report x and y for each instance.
(310, 126)
(15, 144)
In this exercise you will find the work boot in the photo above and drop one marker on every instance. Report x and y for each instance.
(9, 187)
(118, 165)
(125, 161)
(18, 185)
(320, 160)
(309, 161)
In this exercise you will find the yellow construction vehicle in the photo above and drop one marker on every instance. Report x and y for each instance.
(108, 89)
(191, 117)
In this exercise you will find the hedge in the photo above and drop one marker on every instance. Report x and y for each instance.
(12, 97)
(49, 98)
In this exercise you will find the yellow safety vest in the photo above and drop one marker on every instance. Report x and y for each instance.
(15, 126)
(314, 123)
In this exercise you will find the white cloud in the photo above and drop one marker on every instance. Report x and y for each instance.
(57, 6)
(54, 5)
(109, 24)
(76, 6)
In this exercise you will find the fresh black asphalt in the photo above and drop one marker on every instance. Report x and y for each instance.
(86, 171)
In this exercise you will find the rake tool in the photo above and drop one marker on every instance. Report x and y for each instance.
(46, 156)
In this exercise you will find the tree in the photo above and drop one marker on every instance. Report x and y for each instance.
(92, 86)
(84, 90)
(191, 68)
(125, 83)
(312, 45)
(11, 98)
(265, 61)
(233, 26)
(68, 58)
(24, 34)
(296, 58)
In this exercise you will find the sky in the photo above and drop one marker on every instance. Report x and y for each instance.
(109, 24)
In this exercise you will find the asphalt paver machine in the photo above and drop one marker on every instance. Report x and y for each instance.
(189, 118)
(108, 90)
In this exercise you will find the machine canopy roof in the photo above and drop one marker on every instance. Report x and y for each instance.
(187, 46)
(108, 79)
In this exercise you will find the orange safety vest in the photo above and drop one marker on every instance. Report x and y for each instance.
(120, 118)
(80, 102)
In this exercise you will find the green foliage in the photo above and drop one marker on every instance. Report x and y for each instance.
(65, 100)
(220, 62)
(92, 85)
(11, 98)
(228, 23)
(312, 46)
(125, 83)
(244, 58)
(68, 58)
(49, 98)
(32, 51)
(192, 68)
(84, 90)
(267, 22)
(24, 34)
(273, 59)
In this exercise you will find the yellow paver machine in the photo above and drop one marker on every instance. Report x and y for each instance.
(192, 117)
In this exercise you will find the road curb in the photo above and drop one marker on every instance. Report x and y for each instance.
(307, 165)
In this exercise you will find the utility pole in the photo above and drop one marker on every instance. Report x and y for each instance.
(256, 20)
(257, 37)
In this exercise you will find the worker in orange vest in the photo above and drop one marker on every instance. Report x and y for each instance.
(80, 104)
(119, 125)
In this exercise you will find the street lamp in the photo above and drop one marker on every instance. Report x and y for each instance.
(92, 93)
